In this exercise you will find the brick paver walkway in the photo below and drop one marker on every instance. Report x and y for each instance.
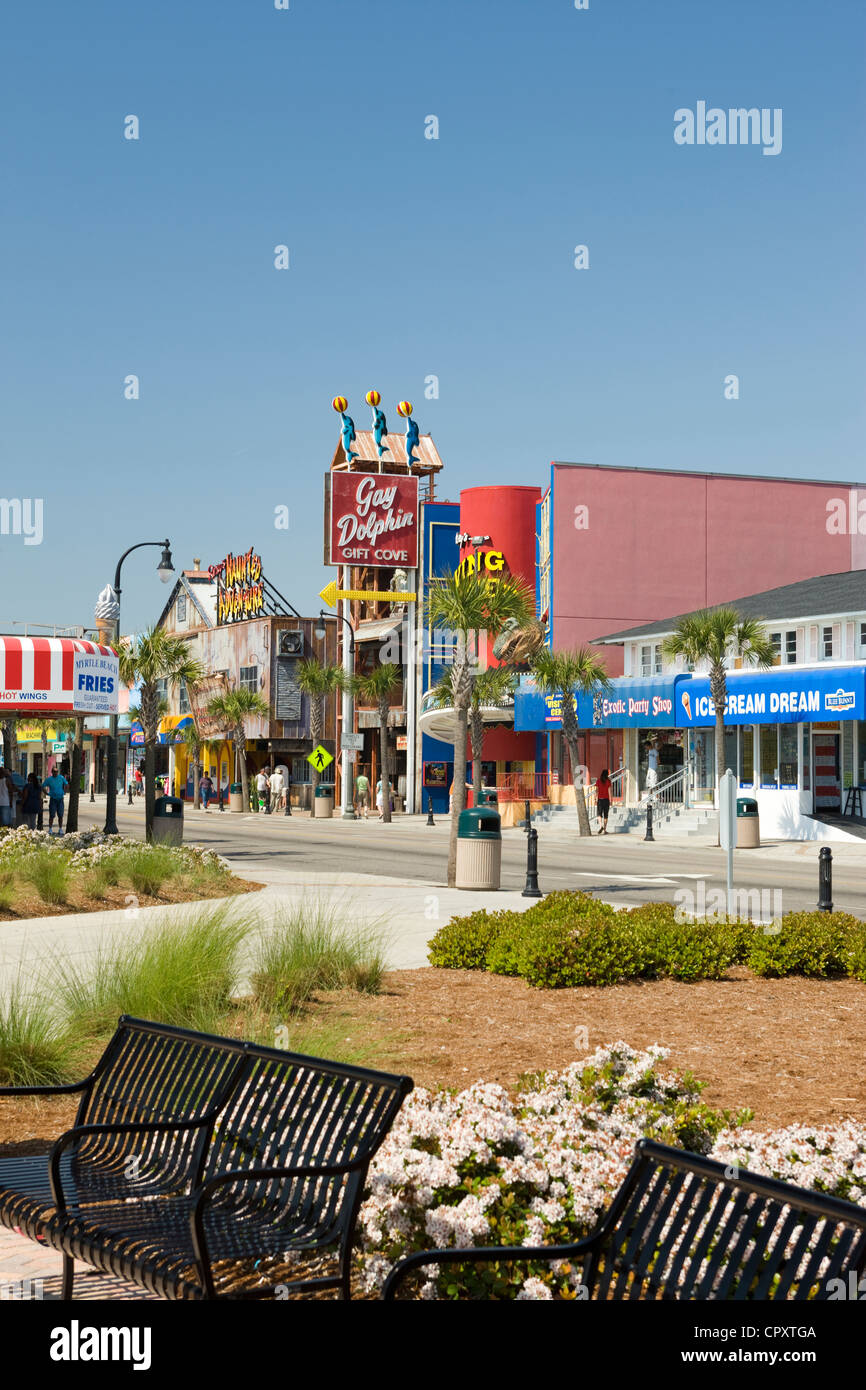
(30, 1270)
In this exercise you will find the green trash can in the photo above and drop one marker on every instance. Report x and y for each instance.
(479, 848)
(323, 801)
(488, 796)
(168, 820)
(236, 796)
(748, 823)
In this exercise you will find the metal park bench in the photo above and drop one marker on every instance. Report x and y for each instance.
(202, 1167)
(680, 1228)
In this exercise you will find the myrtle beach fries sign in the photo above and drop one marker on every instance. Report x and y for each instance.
(373, 520)
(57, 674)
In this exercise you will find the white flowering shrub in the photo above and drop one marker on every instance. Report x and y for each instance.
(90, 848)
(483, 1168)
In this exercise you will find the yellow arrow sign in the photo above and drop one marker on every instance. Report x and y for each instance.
(320, 758)
(331, 593)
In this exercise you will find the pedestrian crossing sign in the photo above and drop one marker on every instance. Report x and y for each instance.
(320, 758)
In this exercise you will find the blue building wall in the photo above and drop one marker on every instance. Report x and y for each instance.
(441, 522)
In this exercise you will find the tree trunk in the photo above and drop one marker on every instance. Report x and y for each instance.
(476, 739)
(458, 796)
(10, 744)
(241, 762)
(149, 787)
(583, 825)
(316, 725)
(44, 751)
(384, 759)
(75, 776)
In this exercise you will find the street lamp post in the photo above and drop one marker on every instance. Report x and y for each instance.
(165, 570)
(348, 812)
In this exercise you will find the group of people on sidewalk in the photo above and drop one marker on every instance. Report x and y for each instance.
(28, 799)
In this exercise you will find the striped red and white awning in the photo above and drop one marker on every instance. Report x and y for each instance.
(57, 674)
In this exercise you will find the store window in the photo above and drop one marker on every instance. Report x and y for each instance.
(861, 753)
(807, 769)
(769, 755)
(730, 749)
(183, 698)
(785, 646)
(826, 644)
(788, 755)
(863, 639)
(747, 756)
(249, 678)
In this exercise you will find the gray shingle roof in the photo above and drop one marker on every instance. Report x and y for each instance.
(825, 595)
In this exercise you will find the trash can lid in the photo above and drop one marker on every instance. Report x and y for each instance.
(747, 806)
(480, 823)
(168, 806)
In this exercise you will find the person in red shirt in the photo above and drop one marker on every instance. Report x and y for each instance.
(602, 791)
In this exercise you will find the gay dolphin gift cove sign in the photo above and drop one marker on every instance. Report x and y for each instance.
(372, 520)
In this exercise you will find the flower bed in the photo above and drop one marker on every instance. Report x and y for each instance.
(481, 1168)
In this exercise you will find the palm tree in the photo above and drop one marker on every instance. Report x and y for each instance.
(465, 608)
(318, 680)
(153, 657)
(232, 709)
(569, 674)
(377, 689)
(490, 687)
(717, 635)
(190, 739)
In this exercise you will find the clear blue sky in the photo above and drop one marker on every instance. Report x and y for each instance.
(409, 257)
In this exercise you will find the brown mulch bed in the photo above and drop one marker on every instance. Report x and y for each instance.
(29, 904)
(790, 1050)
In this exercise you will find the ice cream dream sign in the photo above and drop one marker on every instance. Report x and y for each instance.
(240, 589)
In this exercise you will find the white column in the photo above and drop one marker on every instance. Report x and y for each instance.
(347, 767)
(410, 685)
(169, 791)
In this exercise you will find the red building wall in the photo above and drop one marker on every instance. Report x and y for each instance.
(661, 543)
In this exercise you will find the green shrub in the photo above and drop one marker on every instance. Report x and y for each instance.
(310, 949)
(555, 955)
(36, 1047)
(855, 952)
(463, 943)
(48, 871)
(148, 867)
(179, 972)
(808, 943)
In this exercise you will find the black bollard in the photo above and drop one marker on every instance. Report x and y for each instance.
(532, 889)
(527, 816)
(129, 802)
(825, 879)
(288, 810)
(220, 800)
(430, 820)
(649, 822)
(92, 796)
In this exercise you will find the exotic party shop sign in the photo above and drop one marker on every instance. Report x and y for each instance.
(373, 520)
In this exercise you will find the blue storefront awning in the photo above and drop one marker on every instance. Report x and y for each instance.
(777, 696)
(628, 704)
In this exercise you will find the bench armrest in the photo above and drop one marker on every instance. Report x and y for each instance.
(72, 1136)
(203, 1194)
(69, 1089)
(485, 1254)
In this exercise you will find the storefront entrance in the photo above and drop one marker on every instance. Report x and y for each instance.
(826, 770)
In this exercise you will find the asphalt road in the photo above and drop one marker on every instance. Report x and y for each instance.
(619, 868)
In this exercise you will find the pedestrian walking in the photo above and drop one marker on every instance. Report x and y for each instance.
(277, 789)
(263, 784)
(362, 793)
(206, 789)
(602, 800)
(56, 786)
(7, 798)
(31, 801)
(379, 800)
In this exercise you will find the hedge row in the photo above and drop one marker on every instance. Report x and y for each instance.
(572, 939)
